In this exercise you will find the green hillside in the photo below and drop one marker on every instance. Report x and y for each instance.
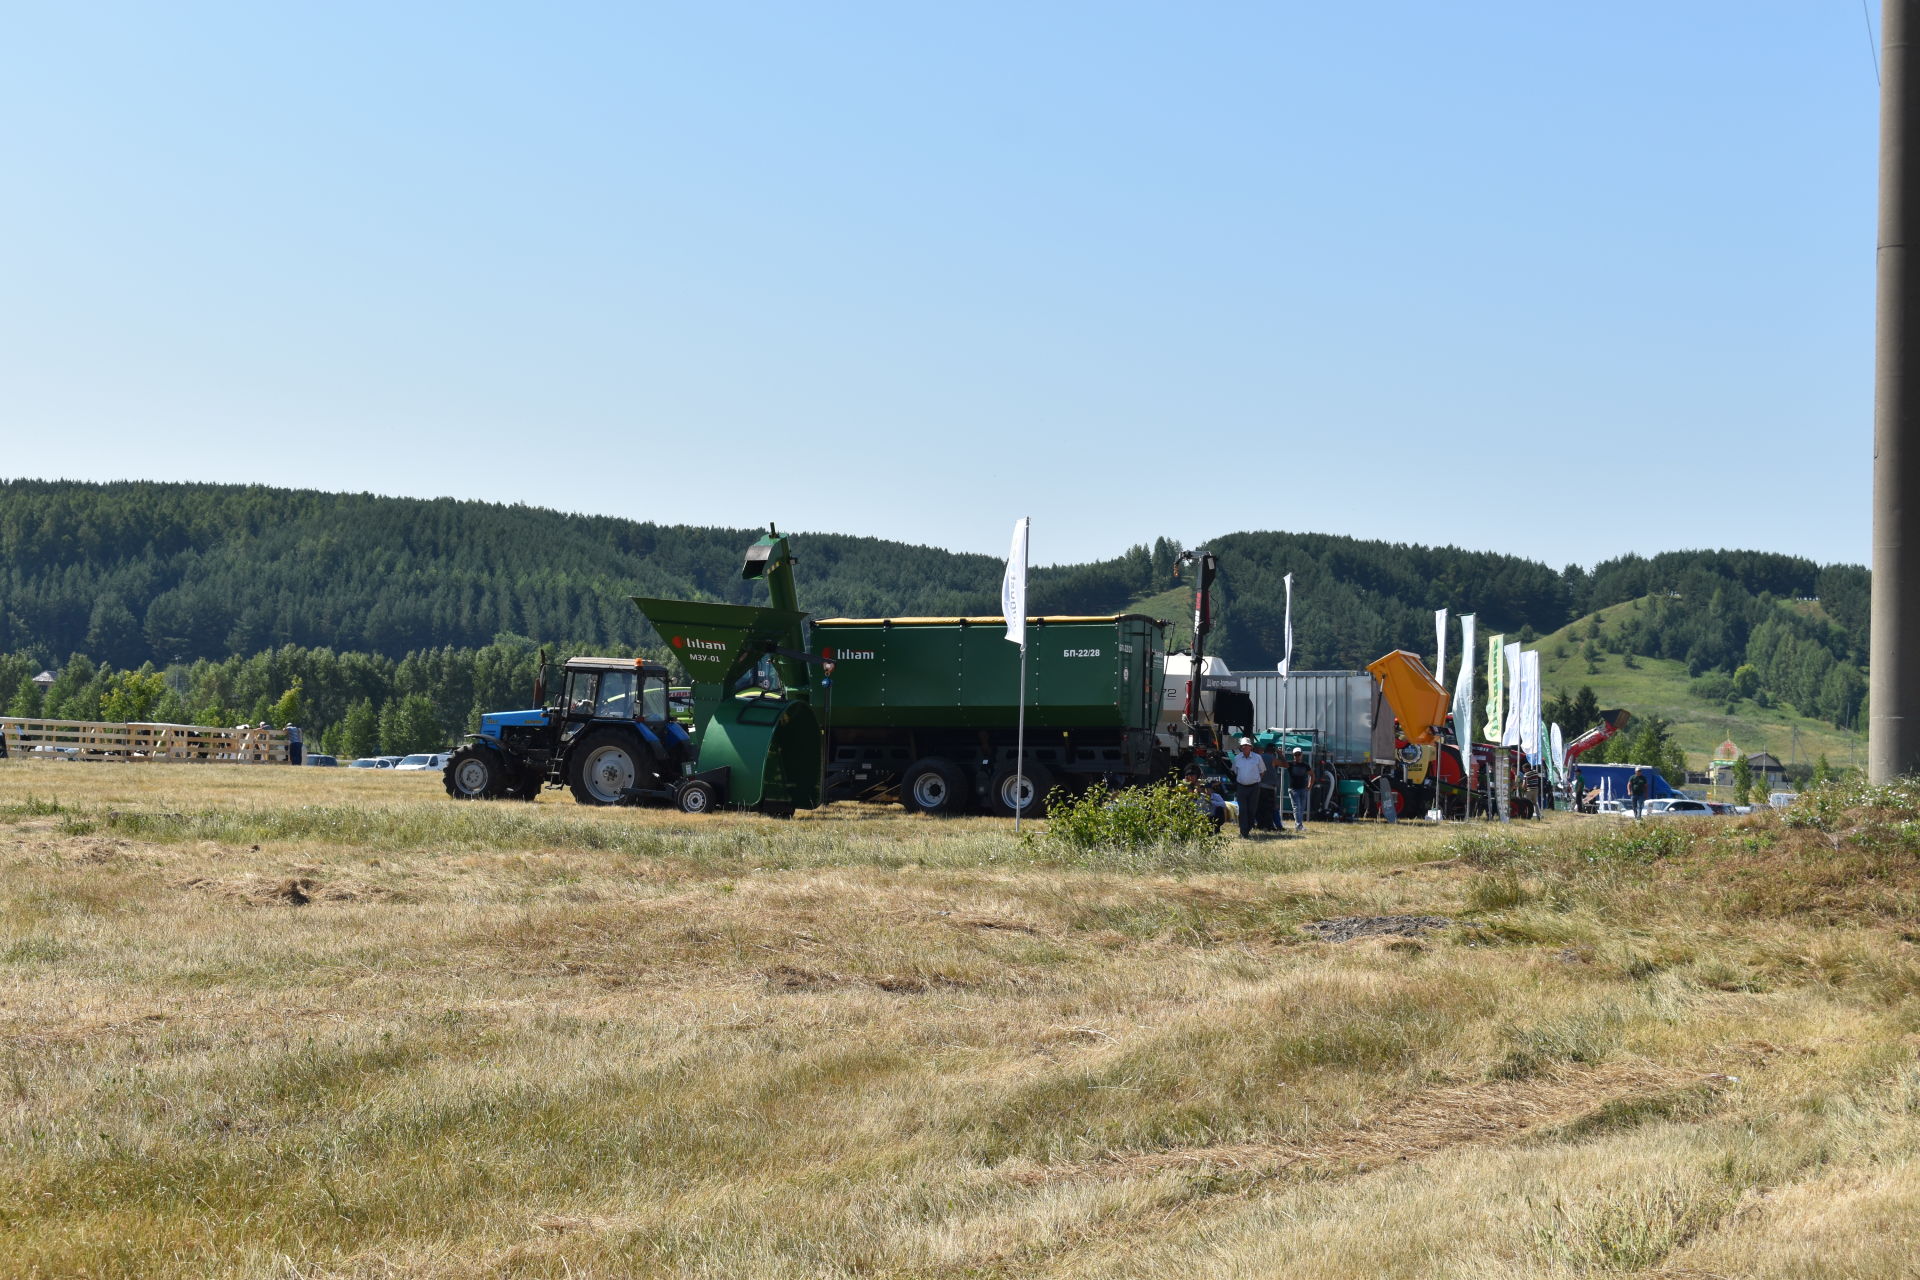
(404, 616)
(1662, 687)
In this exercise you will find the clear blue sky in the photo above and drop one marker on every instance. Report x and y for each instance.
(1565, 281)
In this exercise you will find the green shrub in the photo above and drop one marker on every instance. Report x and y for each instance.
(1164, 823)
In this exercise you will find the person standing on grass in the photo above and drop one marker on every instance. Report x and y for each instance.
(296, 746)
(1268, 819)
(1637, 788)
(1248, 769)
(1299, 787)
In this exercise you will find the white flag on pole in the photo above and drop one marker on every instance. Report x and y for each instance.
(1286, 661)
(1463, 693)
(1530, 705)
(1510, 731)
(1013, 587)
(1440, 647)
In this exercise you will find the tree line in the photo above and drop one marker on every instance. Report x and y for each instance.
(178, 576)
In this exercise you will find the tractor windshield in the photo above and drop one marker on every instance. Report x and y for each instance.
(617, 694)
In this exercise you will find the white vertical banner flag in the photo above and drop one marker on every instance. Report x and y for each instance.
(1440, 647)
(1496, 702)
(1013, 587)
(1463, 710)
(1463, 694)
(1510, 731)
(1286, 660)
(1529, 701)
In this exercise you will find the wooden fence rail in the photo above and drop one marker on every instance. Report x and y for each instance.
(101, 740)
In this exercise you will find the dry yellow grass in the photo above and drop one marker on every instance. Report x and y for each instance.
(318, 1023)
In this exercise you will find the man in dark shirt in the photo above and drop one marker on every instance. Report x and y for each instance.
(1299, 786)
(1637, 788)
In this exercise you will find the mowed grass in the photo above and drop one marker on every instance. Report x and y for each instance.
(319, 1023)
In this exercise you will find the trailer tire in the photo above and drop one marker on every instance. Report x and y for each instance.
(935, 785)
(695, 796)
(604, 767)
(1003, 793)
(475, 772)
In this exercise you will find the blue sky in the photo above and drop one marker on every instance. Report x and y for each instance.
(1564, 281)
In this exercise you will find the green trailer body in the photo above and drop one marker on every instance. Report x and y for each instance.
(926, 710)
(1082, 673)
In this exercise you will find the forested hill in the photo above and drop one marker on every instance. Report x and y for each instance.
(129, 573)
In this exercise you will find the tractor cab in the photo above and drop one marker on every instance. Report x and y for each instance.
(621, 689)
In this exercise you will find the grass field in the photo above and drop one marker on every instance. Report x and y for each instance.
(319, 1023)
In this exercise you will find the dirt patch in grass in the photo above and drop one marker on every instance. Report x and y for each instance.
(1483, 1113)
(296, 890)
(1347, 928)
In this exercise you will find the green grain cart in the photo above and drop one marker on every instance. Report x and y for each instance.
(926, 708)
(923, 710)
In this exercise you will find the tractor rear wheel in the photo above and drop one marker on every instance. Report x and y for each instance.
(1010, 791)
(475, 772)
(604, 768)
(935, 785)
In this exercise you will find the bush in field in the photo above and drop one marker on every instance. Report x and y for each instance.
(1163, 823)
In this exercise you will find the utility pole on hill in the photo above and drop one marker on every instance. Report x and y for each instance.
(1893, 680)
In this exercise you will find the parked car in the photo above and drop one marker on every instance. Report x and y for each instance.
(1681, 807)
(374, 762)
(424, 760)
(324, 762)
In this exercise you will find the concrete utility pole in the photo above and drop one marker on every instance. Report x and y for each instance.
(1893, 729)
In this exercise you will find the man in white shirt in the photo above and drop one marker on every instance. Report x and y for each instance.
(1248, 768)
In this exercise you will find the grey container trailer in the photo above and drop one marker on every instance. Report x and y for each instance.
(1341, 707)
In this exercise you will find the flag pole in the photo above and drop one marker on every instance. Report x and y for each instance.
(1020, 722)
(1013, 607)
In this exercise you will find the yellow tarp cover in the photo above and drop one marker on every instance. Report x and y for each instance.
(1415, 696)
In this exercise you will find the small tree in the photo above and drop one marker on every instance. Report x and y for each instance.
(292, 707)
(410, 725)
(132, 696)
(1742, 780)
(360, 731)
(1746, 680)
(26, 701)
(1822, 771)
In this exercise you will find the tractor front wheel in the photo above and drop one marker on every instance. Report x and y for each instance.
(604, 769)
(475, 772)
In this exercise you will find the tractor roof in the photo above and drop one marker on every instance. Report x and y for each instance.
(616, 664)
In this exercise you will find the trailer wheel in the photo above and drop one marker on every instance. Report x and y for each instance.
(604, 768)
(1010, 791)
(695, 796)
(935, 786)
(525, 785)
(475, 772)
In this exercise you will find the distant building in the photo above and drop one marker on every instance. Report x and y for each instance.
(1768, 772)
(45, 680)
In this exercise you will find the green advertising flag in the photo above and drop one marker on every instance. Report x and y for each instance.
(1496, 688)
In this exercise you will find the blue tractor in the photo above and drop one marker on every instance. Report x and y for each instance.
(610, 739)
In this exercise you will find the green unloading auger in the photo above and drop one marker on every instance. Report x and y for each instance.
(769, 743)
